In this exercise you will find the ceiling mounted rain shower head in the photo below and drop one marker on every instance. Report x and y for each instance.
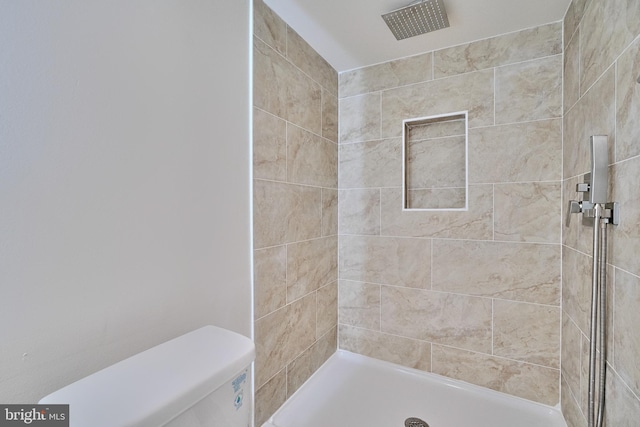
(418, 18)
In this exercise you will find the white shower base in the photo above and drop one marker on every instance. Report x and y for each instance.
(354, 390)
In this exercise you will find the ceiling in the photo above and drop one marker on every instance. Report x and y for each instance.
(351, 33)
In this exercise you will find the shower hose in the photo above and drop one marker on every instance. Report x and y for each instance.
(598, 337)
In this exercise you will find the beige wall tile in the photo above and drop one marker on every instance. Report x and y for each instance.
(528, 212)
(625, 238)
(359, 118)
(371, 164)
(622, 408)
(521, 152)
(521, 379)
(329, 212)
(282, 336)
(310, 265)
(594, 114)
(385, 260)
(403, 351)
(296, 216)
(283, 90)
(270, 397)
(626, 316)
(270, 280)
(472, 92)
(269, 27)
(327, 309)
(359, 304)
(571, 353)
(527, 332)
(537, 42)
(359, 211)
(608, 26)
(570, 409)
(436, 163)
(329, 116)
(387, 75)
(515, 271)
(457, 320)
(310, 62)
(311, 159)
(628, 103)
(309, 361)
(529, 91)
(476, 223)
(269, 146)
(576, 289)
(572, 73)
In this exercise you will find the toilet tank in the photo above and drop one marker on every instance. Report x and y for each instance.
(202, 378)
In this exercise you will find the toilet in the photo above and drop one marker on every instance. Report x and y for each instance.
(202, 378)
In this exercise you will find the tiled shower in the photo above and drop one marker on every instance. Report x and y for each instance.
(497, 295)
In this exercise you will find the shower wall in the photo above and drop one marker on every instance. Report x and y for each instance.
(471, 295)
(295, 131)
(601, 96)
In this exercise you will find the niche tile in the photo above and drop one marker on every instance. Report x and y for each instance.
(628, 103)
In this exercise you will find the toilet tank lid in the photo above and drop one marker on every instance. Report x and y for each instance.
(153, 387)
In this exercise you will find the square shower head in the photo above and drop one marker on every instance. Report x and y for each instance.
(417, 18)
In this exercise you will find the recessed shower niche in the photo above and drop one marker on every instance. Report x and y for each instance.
(435, 162)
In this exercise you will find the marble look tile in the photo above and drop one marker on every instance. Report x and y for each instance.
(571, 352)
(607, 28)
(309, 361)
(359, 118)
(472, 92)
(594, 114)
(529, 90)
(570, 409)
(521, 152)
(403, 351)
(572, 19)
(437, 129)
(327, 309)
(359, 211)
(436, 163)
(359, 304)
(528, 212)
(283, 90)
(385, 260)
(572, 73)
(270, 280)
(476, 223)
(282, 336)
(576, 289)
(387, 75)
(628, 103)
(329, 116)
(310, 62)
(625, 238)
(371, 164)
(524, 272)
(269, 146)
(329, 212)
(268, 26)
(436, 198)
(296, 216)
(311, 159)
(626, 337)
(527, 332)
(532, 43)
(622, 408)
(270, 397)
(521, 379)
(310, 265)
(457, 320)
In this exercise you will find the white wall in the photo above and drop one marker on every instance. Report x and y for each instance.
(124, 181)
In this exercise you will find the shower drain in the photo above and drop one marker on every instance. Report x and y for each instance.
(415, 422)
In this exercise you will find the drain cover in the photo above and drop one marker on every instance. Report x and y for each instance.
(415, 422)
